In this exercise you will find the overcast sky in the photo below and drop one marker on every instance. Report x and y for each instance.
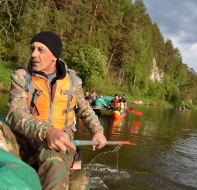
(177, 20)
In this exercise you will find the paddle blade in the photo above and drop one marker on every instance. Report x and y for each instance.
(139, 113)
(124, 143)
(130, 109)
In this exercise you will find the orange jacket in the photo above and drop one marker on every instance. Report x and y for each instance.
(55, 105)
(116, 103)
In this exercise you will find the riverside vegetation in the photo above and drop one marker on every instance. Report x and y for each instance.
(112, 45)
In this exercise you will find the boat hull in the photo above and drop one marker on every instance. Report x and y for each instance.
(118, 114)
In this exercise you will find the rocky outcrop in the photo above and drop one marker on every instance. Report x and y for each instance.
(157, 75)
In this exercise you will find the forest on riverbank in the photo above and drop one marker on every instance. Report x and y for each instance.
(113, 45)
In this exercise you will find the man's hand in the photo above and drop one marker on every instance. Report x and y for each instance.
(101, 139)
(58, 140)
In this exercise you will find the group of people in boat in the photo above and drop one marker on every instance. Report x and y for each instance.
(91, 97)
(181, 107)
(118, 103)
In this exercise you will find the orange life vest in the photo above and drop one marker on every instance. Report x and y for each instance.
(55, 105)
(116, 103)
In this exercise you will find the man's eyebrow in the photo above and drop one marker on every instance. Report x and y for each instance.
(33, 46)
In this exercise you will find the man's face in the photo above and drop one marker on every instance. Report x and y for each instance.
(42, 58)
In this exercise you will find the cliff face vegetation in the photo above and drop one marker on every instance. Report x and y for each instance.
(110, 44)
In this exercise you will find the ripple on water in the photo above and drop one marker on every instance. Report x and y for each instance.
(180, 161)
(108, 178)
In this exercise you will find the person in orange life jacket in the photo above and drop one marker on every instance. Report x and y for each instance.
(123, 100)
(115, 103)
(58, 103)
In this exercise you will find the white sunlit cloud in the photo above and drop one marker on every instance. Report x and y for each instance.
(188, 52)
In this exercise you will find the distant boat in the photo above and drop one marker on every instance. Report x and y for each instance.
(102, 102)
(100, 105)
(138, 102)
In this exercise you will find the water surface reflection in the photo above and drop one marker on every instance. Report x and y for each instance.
(162, 156)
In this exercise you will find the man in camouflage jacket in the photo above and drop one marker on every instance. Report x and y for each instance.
(50, 147)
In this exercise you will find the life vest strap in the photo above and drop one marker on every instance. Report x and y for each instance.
(70, 93)
(65, 92)
(72, 127)
(72, 77)
(34, 93)
(69, 110)
(35, 97)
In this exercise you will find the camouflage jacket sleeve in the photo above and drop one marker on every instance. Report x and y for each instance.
(19, 117)
(85, 112)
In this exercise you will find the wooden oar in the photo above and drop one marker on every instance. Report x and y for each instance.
(139, 113)
(84, 142)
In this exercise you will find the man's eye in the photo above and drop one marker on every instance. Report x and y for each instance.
(40, 50)
(32, 49)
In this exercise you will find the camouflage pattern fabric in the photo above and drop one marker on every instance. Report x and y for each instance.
(8, 140)
(53, 164)
(79, 179)
(54, 171)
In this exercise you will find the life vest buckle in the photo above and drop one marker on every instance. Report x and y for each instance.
(38, 92)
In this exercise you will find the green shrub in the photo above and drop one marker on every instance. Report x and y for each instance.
(5, 74)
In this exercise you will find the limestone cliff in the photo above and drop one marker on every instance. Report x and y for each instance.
(157, 75)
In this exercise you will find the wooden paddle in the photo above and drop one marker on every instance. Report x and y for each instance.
(139, 113)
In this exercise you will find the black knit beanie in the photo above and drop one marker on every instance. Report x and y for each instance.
(51, 40)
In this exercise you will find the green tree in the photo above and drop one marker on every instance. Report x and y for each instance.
(118, 33)
(89, 63)
(158, 45)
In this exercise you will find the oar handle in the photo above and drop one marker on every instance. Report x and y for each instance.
(84, 142)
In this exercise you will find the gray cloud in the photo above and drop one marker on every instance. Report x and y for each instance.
(177, 19)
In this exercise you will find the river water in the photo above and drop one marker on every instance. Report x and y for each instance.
(163, 154)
